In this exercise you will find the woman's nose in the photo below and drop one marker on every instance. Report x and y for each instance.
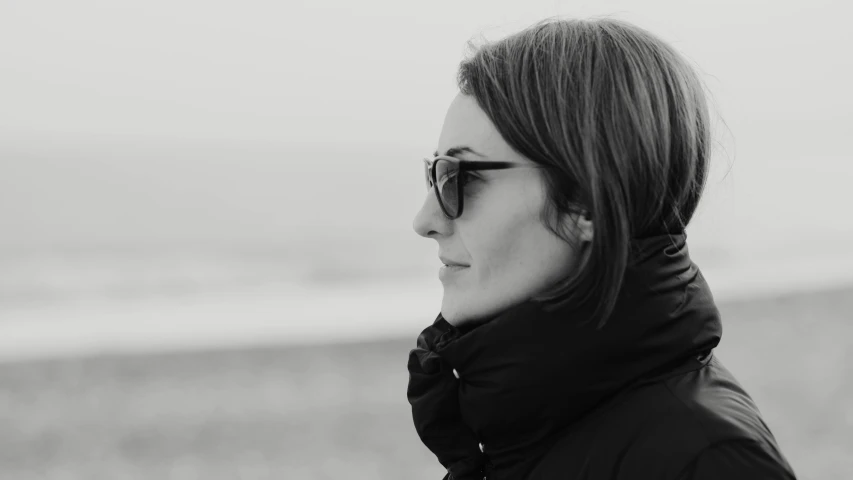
(429, 218)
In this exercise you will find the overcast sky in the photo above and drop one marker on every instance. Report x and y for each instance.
(351, 71)
(379, 75)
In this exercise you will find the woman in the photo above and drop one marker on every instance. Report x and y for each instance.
(576, 336)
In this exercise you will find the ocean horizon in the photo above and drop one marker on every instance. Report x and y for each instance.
(169, 306)
(41, 277)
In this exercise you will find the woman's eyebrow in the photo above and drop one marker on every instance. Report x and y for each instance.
(452, 152)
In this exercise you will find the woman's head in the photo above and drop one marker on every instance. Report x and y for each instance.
(618, 123)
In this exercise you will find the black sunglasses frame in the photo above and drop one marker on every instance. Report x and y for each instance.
(462, 166)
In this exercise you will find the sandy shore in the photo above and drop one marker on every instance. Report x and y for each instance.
(339, 410)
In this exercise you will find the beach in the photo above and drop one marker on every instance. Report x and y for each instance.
(338, 409)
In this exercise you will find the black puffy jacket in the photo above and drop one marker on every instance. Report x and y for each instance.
(541, 395)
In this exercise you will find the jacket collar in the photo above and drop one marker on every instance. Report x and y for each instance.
(527, 374)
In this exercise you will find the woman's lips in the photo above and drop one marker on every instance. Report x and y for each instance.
(448, 271)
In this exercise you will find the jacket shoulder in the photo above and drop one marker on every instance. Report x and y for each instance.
(690, 415)
(659, 429)
(737, 460)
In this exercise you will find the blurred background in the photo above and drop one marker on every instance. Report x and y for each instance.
(207, 262)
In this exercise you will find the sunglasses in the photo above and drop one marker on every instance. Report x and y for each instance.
(443, 173)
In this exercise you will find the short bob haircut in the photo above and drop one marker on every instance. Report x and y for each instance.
(620, 121)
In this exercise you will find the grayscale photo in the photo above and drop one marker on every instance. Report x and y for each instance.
(452, 240)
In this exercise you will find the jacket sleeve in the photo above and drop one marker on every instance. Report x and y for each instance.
(737, 460)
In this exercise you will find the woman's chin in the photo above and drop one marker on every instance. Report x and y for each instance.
(451, 312)
(458, 317)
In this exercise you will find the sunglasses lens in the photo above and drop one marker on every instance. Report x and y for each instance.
(446, 177)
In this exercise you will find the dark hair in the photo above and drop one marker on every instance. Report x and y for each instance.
(621, 123)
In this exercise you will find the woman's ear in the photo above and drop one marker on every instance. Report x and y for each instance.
(580, 224)
(584, 227)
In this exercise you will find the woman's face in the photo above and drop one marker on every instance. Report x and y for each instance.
(510, 255)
